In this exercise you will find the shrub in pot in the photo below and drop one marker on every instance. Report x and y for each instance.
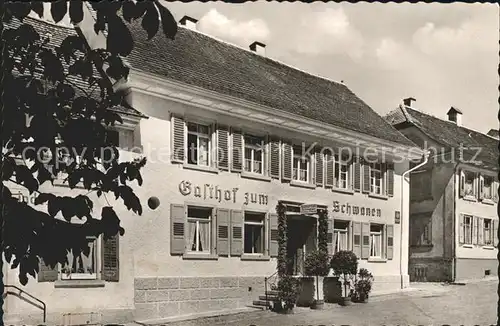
(363, 285)
(345, 265)
(316, 265)
(288, 292)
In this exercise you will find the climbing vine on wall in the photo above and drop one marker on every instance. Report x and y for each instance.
(323, 231)
(282, 240)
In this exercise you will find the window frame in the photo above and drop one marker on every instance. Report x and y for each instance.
(471, 229)
(207, 136)
(308, 159)
(262, 223)
(254, 148)
(373, 179)
(488, 231)
(210, 223)
(381, 234)
(492, 184)
(466, 173)
(84, 276)
(337, 231)
(340, 162)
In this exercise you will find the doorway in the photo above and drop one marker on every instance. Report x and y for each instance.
(302, 239)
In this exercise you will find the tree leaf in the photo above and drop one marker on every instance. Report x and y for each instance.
(43, 197)
(58, 10)
(168, 21)
(37, 7)
(150, 21)
(129, 10)
(19, 9)
(76, 11)
(119, 40)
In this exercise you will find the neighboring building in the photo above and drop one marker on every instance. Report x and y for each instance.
(224, 139)
(453, 221)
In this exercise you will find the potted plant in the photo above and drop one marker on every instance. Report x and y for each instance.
(288, 292)
(363, 286)
(345, 265)
(316, 265)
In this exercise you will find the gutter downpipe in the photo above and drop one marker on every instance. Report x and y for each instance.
(426, 159)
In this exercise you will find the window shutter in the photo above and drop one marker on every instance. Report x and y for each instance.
(47, 274)
(319, 168)
(474, 229)
(365, 245)
(222, 221)
(222, 148)
(480, 231)
(366, 176)
(110, 259)
(237, 151)
(495, 232)
(236, 232)
(481, 186)
(178, 140)
(356, 243)
(287, 162)
(356, 174)
(390, 241)
(461, 237)
(177, 229)
(329, 162)
(462, 183)
(390, 179)
(274, 159)
(329, 237)
(273, 235)
(495, 191)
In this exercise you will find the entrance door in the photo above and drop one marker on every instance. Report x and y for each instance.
(301, 240)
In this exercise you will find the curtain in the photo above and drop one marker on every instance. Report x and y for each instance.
(203, 151)
(191, 235)
(204, 233)
(336, 241)
(343, 240)
(376, 245)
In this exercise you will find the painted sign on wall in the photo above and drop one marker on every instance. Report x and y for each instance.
(214, 192)
(356, 210)
(308, 209)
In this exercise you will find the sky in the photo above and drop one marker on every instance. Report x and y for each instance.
(442, 55)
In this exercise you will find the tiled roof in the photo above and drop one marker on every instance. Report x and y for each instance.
(57, 34)
(451, 136)
(199, 60)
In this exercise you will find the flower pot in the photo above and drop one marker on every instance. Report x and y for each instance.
(363, 298)
(318, 305)
(345, 301)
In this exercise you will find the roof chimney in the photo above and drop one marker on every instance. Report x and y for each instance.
(408, 102)
(259, 48)
(188, 22)
(494, 133)
(455, 115)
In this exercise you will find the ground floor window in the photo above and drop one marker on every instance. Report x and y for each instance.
(254, 233)
(340, 235)
(81, 266)
(376, 240)
(199, 229)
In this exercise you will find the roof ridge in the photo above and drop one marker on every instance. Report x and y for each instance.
(260, 56)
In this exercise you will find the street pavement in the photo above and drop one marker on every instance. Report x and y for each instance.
(428, 304)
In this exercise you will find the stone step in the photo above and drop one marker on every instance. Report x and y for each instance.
(261, 303)
(257, 307)
(272, 292)
(269, 297)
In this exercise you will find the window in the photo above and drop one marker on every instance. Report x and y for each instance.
(301, 165)
(254, 233)
(488, 232)
(376, 175)
(340, 235)
(198, 144)
(376, 241)
(421, 231)
(199, 229)
(469, 180)
(467, 229)
(254, 154)
(341, 173)
(81, 267)
(487, 187)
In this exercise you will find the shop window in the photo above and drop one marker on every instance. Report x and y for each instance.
(301, 165)
(376, 240)
(198, 143)
(467, 225)
(342, 167)
(254, 154)
(81, 267)
(340, 235)
(199, 229)
(254, 233)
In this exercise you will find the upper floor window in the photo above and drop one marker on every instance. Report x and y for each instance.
(420, 230)
(254, 158)
(487, 187)
(488, 231)
(198, 144)
(376, 178)
(199, 229)
(467, 226)
(301, 167)
(341, 173)
(468, 184)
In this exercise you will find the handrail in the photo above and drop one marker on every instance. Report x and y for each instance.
(21, 291)
(266, 279)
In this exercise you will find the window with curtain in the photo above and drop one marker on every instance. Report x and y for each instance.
(254, 235)
(199, 229)
(341, 172)
(487, 187)
(469, 179)
(301, 165)
(254, 148)
(467, 229)
(198, 142)
(376, 176)
(376, 242)
(81, 267)
(340, 235)
(487, 232)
